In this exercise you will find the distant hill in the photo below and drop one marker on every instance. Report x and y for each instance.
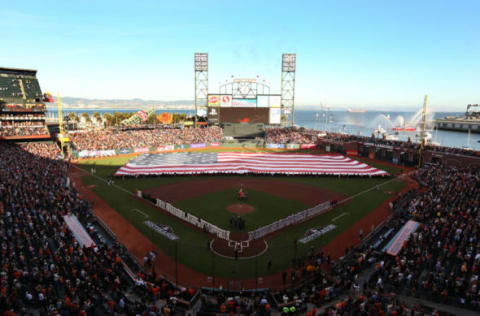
(84, 103)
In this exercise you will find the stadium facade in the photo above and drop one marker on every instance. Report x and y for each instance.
(22, 105)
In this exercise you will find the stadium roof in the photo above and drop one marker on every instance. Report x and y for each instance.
(31, 71)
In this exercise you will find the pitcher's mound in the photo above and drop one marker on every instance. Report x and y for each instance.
(240, 208)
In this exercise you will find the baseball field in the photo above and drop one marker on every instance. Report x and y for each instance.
(214, 198)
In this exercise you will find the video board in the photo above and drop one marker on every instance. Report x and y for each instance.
(243, 115)
(224, 108)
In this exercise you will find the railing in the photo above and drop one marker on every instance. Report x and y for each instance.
(289, 220)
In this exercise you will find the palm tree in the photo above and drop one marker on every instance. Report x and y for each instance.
(97, 117)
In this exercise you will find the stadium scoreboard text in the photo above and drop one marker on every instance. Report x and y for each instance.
(225, 108)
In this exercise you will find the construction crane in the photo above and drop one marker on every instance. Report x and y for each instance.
(61, 136)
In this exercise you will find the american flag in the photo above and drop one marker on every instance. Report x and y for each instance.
(241, 163)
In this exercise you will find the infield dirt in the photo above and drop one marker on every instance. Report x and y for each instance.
(306, 194)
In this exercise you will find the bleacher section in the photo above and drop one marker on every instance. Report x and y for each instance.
(9, 89)
(32, 89)
(22, 110)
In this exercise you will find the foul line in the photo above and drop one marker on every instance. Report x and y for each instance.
(103, 180)
(137, 210)
(339, 216)
(372, 188)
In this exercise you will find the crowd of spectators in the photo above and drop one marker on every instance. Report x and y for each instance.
(118, 139)
(290, 135)
(43, 268)
(22, 116)
(23, 130)
(441, 260)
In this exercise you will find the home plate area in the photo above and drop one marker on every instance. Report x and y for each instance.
(238, 247)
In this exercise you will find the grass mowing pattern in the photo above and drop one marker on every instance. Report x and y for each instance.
(192, 247)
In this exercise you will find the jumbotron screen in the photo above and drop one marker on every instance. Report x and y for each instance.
(244, 115)
(227, 109)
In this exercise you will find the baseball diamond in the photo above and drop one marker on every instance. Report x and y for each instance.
(207, 197)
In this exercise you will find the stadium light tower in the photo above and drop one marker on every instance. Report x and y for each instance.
(201, 84)
(289, 62)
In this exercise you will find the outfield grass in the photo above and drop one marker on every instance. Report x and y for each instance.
(192, 246)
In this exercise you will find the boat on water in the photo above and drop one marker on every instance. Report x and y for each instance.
(470, 122)
(382, 133)
(356, 111)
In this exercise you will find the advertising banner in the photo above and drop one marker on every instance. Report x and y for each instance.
(263, 101)
(275, 101)
(275, 116)
(213, 100)
(214, 144)
(352, 153)
(213, 114)
(96, 153)
(245, 103)
(226, 100)
(317, 232)
(200, 145)
(165, 148)
(141, 150)
(163, 230)
(275, 146)
(124, 151)
(308, 146)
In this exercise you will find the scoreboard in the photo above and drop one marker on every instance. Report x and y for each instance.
(224, 108)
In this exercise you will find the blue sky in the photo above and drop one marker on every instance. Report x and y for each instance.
(359, 54)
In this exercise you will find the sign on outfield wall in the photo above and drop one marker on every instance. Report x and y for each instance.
(200, 145)
(96, 153)
(165, 148)
(308, 146)
(141, 150)
(275, 146)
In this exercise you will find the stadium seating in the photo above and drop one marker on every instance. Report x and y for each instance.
(22, 111)
(44, 270)
(9, 89)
